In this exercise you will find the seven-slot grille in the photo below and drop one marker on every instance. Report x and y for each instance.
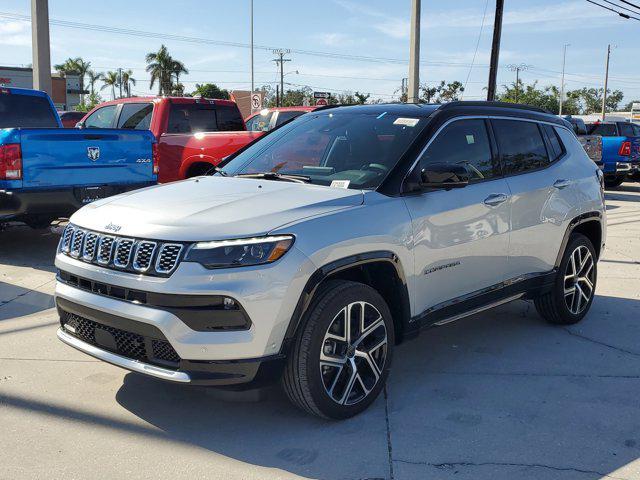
(121, 253)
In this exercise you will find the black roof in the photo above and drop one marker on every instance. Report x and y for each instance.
(427, 109)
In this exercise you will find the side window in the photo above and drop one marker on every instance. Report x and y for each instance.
(136, 116)
(101, 118)
(286, 116)
(229, 118)
(626, 130)
(636, 130)
(260, 123)
(521, 145)
(557, 149)
(464, 142)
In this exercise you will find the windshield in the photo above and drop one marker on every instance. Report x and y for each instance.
(357, 149)
(604, 129)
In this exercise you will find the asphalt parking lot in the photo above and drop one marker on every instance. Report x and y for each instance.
(500, 395)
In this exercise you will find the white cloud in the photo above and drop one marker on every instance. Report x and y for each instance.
(15, 33)
(334, 39)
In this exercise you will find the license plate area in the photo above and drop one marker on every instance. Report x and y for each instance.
(91, 194)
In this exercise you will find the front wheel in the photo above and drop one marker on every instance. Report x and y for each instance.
(341, 356)
(575, 285)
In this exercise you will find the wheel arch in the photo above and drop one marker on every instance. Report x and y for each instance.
(588, 224)
(189, 165)
(380, 270)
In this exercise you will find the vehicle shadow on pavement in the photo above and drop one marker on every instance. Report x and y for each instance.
(498, 395)
(21, 246)
(16, 301)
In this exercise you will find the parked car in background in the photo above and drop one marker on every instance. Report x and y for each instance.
(592, 144)
(47, 172)
(309, 266)
(193, 134)
(270, 118)
(620, 150)
(70, 118)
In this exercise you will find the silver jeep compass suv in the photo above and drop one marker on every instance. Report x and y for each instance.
(311, 253)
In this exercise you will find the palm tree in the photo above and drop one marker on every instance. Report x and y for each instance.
(110, 79)
(160, 65)
(178, 69)
(127, 81)
(93, 78)
(75, 66)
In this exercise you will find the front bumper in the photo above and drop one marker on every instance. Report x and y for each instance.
(16, 204)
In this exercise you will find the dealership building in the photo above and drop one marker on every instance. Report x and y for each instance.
(65, 90)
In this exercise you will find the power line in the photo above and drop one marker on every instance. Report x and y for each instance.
(473, 60)
(631, 4)
(622, 14)
(619, 6)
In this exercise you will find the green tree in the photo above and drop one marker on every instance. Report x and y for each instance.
(164, 69)
(110, 79)
(296, 97)
(91, 101)
(210, 90)
(591, 99)
(547, 98)
(361, 98)
(449, 92)
(94, 77)
(127, 81)
(75, 66)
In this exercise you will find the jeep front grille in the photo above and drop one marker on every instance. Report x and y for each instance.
(121, 253)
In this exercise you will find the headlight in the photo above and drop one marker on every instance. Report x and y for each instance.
(239, 253)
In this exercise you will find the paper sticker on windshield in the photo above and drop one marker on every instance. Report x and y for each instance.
(340, 183)
(470, 140)
(408, 122)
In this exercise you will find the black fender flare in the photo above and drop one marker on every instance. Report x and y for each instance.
(580, 219)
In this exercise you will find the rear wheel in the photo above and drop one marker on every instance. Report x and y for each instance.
(341, 356)
(614, 182)
(574, 288)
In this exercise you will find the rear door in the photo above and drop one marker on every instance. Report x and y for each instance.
(461, 236)
(68, 157)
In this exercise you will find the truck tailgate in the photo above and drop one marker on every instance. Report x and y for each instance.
(58, 158)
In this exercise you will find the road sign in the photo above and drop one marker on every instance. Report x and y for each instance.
(321, 102)
(321, 94)
(256, 102)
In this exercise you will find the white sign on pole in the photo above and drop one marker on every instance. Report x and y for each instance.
(256, 102)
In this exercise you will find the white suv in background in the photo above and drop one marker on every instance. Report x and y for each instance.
(317, 249)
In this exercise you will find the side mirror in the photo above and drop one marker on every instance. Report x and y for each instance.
(80, 125)
(442, 175)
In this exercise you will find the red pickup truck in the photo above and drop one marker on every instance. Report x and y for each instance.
(193, 134)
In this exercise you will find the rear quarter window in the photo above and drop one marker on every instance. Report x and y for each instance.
(26, 111)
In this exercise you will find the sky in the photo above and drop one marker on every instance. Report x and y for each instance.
(455, 43)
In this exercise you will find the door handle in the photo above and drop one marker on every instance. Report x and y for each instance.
(562, 183)
(495, 199)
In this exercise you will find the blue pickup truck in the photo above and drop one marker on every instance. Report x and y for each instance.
(47, 172)
(620, 151)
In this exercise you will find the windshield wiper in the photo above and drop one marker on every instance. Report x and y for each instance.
(218, 170)
(276, 176)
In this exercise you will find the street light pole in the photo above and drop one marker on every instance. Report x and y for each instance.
(252, 86)
(414, 54)
(564, 61)
(606, 82)
(495, 51)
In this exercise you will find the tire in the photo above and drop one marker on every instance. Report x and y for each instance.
(320, 386)
(613, 182)
(560, 307)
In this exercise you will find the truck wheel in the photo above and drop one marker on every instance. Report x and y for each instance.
(341, 355)
(613, 182)
(573, 291)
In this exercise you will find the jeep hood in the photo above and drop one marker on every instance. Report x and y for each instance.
(211, 208)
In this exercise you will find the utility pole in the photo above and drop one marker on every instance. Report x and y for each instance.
(517, 68)
(252, 86)
(606, 82)
(495, 51)
(120, 80)
(40, 45)
(564, 61)
(281, 52)
(414, 53)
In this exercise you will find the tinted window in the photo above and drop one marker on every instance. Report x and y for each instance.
(604, 129)
(286, 116)
(136, 116)
(464, 142)
(354, 147)
(557, 149)
(260, 123)
(626, 129)
(229, 118)
(191, 118)
(26, 111)
(71, 116)
(101, 118)
(521, 145)
(636, 130)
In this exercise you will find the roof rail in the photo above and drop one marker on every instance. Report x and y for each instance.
(517, 106)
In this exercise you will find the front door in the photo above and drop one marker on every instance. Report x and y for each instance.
(461, 236)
